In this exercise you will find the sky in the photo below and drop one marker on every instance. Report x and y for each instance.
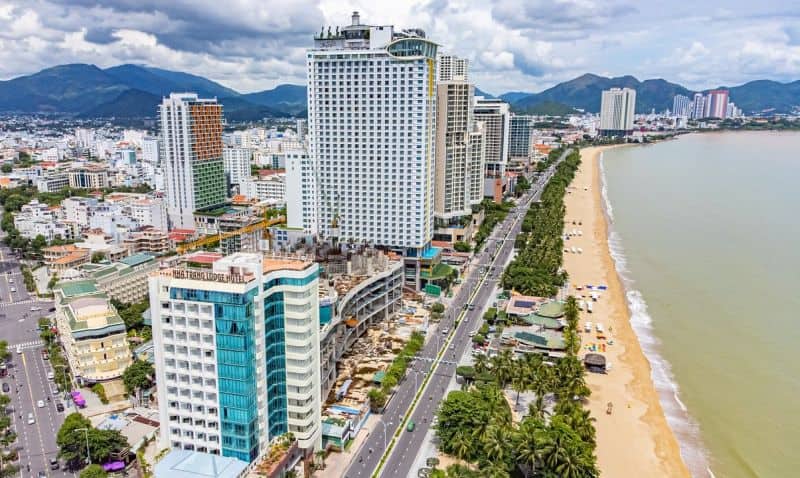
(512, 45)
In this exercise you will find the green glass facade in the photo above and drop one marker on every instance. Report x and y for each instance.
(234, 322)
(209, 183)
(275, 356)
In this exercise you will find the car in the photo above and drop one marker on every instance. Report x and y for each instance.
(445, 331)
(472, 334)
(6, 388)
(40, 403)
(34, 309)
(54, 463)
(410, 426)
(51, 376)
(41, 474)
(10, 280)
(13, 289)
(51, 309)
(19, 349)
(31, 419)
(60, 407)
(471, 307)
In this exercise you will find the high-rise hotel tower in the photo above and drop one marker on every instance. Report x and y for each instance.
(191, 135)
(237, 354)
(371, 134)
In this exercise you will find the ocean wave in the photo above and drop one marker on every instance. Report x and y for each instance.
(604, 189)
(686, 430)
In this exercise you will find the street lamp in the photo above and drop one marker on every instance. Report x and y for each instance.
(88, 456)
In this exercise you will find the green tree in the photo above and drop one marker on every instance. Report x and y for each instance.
(139, 375)
(377, 399)
(72, 443)
(98, 257)
(93, 471)
(6, 168)
(4, 353)
(461, 246)
(437, 307)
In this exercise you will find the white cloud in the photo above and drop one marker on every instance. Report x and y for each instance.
(512, 44)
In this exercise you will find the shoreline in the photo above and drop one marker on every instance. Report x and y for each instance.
(636, 436)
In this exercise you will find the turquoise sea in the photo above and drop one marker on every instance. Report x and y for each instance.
(705, 231)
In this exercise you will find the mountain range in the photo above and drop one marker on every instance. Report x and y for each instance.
(134, 91)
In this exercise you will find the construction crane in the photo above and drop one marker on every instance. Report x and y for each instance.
(205, 241)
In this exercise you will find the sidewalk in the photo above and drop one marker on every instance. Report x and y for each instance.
(337, 463)
(42, 278)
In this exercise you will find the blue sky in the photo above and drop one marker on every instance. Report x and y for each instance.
(526, 45)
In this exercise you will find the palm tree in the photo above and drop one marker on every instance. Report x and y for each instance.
(581, 422)
(528, 440)
(481, 364)
(495, 443)
(461, 445)
(521, 379)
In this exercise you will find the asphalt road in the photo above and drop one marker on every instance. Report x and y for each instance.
(496, 251)
(27, 373)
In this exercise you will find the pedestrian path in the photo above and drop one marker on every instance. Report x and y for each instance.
(22, 302)
(27, 345)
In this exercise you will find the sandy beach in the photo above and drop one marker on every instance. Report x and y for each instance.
(635, 440)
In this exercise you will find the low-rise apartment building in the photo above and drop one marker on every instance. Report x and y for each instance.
(92, 332)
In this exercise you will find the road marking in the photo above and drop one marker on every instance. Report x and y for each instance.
(35, 415)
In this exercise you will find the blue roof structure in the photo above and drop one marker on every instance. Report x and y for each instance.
(195, 464)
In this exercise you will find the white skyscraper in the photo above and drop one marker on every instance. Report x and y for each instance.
(191, 135)
(698, 106)
(616, 111)
(237, 163)
(681, 105)
(237, 354)
(371, 130)
(301, 192)
(452, 68)
(495, 114)
(453, 194)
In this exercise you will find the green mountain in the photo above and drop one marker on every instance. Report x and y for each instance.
(584, 93)
(131, 91)
(545, 108)
(288, 98)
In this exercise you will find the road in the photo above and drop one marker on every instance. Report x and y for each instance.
(27, 373)
(476, 290)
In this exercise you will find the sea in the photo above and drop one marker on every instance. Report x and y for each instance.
(705, 233)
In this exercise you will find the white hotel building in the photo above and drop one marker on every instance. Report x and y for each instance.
(371, 134)
(237, 354)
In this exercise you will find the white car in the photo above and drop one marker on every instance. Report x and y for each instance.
(40, 404)
(13, 289)
(10, 280)
(19, 349)
(31, 420)
(472, 334)
(34, 309)
(50, 375)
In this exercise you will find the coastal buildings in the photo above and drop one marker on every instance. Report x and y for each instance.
(126, 280)
(458, 164)
(191, 135)
(149, 240)
(92, 333)
(681, 105)
(495, 114)
(616, 111)
(716, 104)
(301, 192)
(371, 134)
(270, 187)
(237, 349)
(698, 106)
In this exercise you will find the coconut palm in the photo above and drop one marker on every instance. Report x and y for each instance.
(481, 364)
(528, 439)
(495, 443)
(461, 445)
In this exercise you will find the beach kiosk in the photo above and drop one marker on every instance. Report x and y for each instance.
(595, 363)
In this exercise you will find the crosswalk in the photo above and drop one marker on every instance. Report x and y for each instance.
(22, 302)
(27, 345)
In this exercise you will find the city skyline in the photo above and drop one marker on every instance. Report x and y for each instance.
(256, 47)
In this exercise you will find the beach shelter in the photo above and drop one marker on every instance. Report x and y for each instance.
(595, 363)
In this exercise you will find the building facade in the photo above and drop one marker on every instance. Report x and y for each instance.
(617, 108)
(681, 105)
(452, 68)
(237, 164)
(237, 347)
(191, 135)
(301, 192)
(92, 332)
(371, 134)
(520, 145)
(716, 104)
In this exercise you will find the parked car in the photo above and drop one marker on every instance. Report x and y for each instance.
(31, 419)
(54, 463)
(60, 407)
(6, 388)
